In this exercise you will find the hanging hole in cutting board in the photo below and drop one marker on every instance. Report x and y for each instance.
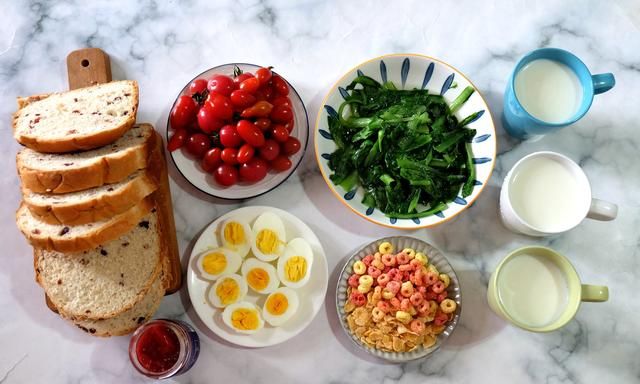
(84, 63)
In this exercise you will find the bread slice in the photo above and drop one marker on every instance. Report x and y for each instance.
(106, 281)
(64, 238)
(129, 320)
(81, 119)
(96, 204)
(47, 173)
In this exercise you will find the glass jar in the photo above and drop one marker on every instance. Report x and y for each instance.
(164, 348)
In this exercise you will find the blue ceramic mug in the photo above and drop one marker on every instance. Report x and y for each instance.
(521, 124)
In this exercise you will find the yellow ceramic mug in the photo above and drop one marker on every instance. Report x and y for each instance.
(505, 289)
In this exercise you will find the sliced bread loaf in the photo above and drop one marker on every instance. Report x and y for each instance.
(95, 204)
(81, 119)
(105, 281)
(64, 238)
(129, 320)
(48, 173)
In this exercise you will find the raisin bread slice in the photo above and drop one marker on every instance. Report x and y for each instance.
(106, 281)
(50, 173)
(64, 238)
(95, 204)
(129, 320)
(81, 119)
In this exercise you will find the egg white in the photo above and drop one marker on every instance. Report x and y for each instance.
(270, 221)
(232, 258)
(228, 311)
(292, 307)
(252, 263)
(216, 301)
(296, 247)
(242, 249)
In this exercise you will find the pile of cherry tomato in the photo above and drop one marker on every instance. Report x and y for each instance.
(237, 126)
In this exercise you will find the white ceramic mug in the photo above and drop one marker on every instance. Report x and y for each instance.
(589, 207)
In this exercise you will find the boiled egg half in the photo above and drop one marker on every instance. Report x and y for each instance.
(228, 289)
(280, 306)
(243, 317)
(294, 267)
(236, 235)
(260, 276)
(268, 237)
(215, 262)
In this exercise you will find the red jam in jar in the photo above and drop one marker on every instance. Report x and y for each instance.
(164, 348)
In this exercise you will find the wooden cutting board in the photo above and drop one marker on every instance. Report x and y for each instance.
(91, 66)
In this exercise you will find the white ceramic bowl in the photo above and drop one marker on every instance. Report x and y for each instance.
(311, 295)
(409, 71)
(436, 258)
(191, 170)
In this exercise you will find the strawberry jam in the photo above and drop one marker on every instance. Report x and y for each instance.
(158, 348)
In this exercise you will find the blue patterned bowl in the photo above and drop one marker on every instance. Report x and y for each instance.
(409, 71)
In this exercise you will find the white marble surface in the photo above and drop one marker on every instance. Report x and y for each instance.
(162, 44)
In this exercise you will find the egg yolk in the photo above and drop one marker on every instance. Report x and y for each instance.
(277, 304)
(228, 291)
(245, 319)
(295, 268)
(234, 233)
(267, 241)
(214, 263)
(258, 279)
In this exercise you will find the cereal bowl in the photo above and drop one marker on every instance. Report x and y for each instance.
(437, 259)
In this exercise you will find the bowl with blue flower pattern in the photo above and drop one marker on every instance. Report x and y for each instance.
(412, 72)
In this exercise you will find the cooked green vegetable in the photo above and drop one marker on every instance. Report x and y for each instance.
(406, 148)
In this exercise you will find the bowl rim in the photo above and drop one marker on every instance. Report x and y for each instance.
(353, 209)
(293, 168)
(351, 336)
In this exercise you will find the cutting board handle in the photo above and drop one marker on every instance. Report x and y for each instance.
(88, 66)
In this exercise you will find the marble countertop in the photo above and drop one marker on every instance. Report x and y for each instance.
(162, 44)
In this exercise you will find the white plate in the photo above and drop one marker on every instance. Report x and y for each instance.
(311, 295)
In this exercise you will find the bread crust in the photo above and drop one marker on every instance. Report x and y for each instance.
(112, 229)
(104, 170)
(96, 208)
(73, 142)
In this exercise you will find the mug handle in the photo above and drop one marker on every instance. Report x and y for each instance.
(602, 210)
(603, 82)
(594, 293)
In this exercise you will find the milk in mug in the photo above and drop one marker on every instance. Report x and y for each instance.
(549, 90)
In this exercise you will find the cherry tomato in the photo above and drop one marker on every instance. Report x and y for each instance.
(281, 163)
(259, 109)
(291, 146)
(197, 86)
(289, 126)
(281, 114)
(241, 98)
(280, 85)
(198, 144)
(241, 77)
(270, 150)
(178, 139)
(254, 170)
(229, 156)
(250, 85)
(211, 159)
(282, 100)
(266, 93)
(279, 133)
(245, 153)
(207, 121)
(221, 106)
(229, 137)
(250, 133)
(263, 123)
(221, 84)
(226, 175)
(263, 75)
(184, 112)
